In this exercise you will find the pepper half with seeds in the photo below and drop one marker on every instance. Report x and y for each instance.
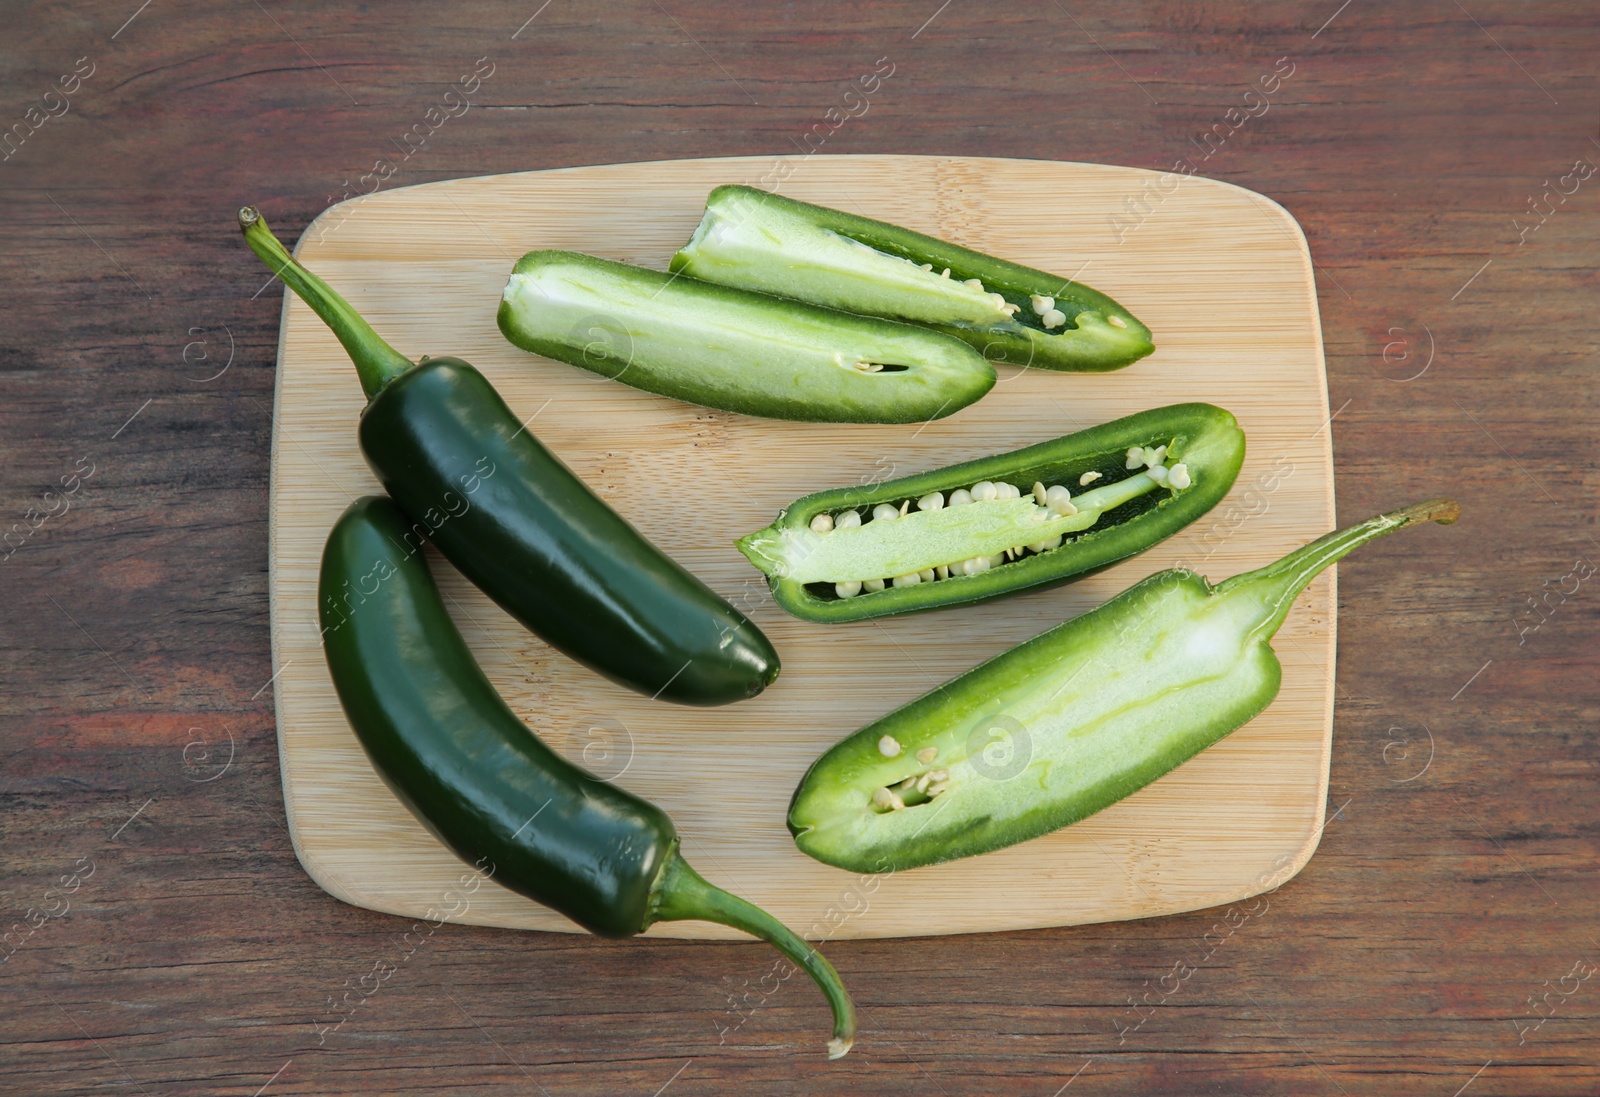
(446, 743)
(1036, 516)
(729, 349)
(1068, 722)
(760, 241)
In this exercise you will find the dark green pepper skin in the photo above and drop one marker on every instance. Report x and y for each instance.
(1206, 437)
(448, 746)
(522, 527)
(769, 243)
(534, 538)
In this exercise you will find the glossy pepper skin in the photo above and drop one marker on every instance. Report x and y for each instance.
(729, 349)
(1139, 514)
(526, 531)
(765, 242)
(1068, 722)
(454, 753)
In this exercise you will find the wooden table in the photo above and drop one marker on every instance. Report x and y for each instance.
(180, 949)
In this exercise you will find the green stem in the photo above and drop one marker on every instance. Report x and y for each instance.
(1276, 586)
(684, 894)
(377, 363)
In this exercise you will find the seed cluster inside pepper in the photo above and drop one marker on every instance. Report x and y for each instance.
(1041, 311)
(916, 789)
(1002, 520)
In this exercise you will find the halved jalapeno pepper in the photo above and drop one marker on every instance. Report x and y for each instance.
(1085, 713)
(726, 348)
(1032, 517)
(755, 240)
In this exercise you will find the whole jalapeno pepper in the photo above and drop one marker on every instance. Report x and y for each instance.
(522, 527)
(1033, 517)
(1066, 723)
(446, 743)
(759, 241)
(726, 348)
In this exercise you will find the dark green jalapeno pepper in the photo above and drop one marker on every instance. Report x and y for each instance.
(522, 527)
(1033, 517)
(1011, 313)
(455, 754)
(726, 348)
(1069, 722)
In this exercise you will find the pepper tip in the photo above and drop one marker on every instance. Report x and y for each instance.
(248, 215)
(839, 1047)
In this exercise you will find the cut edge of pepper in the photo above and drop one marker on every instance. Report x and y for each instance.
(682, 894)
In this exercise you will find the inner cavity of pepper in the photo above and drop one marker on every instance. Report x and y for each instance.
(918, 788)
(1040, 311)
(1091, 489)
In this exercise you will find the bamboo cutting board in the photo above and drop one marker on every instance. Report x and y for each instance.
(1221, 275)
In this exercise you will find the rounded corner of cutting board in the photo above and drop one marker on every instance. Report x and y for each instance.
(450, 240)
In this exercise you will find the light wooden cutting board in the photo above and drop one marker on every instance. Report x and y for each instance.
(1221, 275)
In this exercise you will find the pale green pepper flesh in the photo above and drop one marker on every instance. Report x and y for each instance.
(1067, 723)
(730, 349)
(773, 244)
(1116, 510)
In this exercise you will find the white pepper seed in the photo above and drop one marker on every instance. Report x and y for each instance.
(1003, 490)
(872, 586)
(1053, 319)
(889, 746)
(927, 754)
(945, 273)
(937, 787)
(960, 497)
(975, 284)
(850, 519)
(983, 491)
(932, 501)
(997, 559)
(1158, 473)
(1135, 457)
(847, 589)
(1178, 476)
(822, 523)
(885, 512)
(1116, 321)
(907, 580)
(942, 571)
(926, 575)
(1041, 305)
(1039, 495)
(883, 799)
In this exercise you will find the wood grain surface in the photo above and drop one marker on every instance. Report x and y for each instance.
(426, 265)
(1437, 944)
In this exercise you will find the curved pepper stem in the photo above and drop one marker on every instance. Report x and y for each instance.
(1275, 587)
(377, 363)
(684, 894)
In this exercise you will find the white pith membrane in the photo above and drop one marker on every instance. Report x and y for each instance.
(985, 526)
